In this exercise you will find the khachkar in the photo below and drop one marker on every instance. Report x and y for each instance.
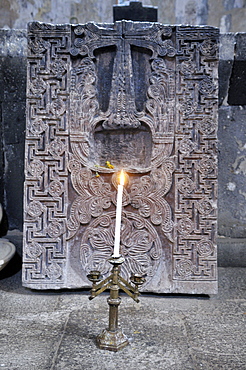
(142, 96)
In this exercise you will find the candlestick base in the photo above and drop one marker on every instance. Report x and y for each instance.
(112, 340)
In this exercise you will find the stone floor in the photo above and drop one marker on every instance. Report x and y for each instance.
(57, 330)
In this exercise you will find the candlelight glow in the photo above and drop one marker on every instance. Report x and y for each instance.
(122, 177)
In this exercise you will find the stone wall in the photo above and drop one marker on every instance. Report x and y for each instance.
(13, 48)
(229, 15)
(232, 147)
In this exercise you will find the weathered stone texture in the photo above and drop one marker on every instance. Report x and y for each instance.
(13, 51)
(229, 15)
(144, 97)
(226, 54)
(191, 11)
(232, 172)
(237, 90)
(228, 18)
(13, 102)
(231, 251)
(58, 330)
(232, 147)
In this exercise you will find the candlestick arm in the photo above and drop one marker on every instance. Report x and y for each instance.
(116, 279)
(100, 287)
(128, 292)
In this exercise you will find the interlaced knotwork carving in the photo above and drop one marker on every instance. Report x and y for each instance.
(140, 245)
(144, 97)
(94, 197)
(144, 194)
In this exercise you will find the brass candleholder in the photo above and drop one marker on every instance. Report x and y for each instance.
(113, 338)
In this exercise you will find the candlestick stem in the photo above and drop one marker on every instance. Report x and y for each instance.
(113, 338)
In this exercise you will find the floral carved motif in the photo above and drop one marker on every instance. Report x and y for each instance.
(94, 197)
(145, 194)
(140, 245)
(143, 97)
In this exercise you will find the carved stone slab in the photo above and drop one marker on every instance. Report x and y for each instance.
(142, 96)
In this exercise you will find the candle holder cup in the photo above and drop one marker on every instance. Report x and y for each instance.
(113, 338)
(95, 276)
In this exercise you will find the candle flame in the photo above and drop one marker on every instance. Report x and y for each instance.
(122, 177)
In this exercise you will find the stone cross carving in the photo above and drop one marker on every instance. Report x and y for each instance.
(142, 96)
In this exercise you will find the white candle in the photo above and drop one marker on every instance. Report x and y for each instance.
(118, 216)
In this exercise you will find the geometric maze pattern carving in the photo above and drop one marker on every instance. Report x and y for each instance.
(194, 251)
(47, 147)
(144, 97)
